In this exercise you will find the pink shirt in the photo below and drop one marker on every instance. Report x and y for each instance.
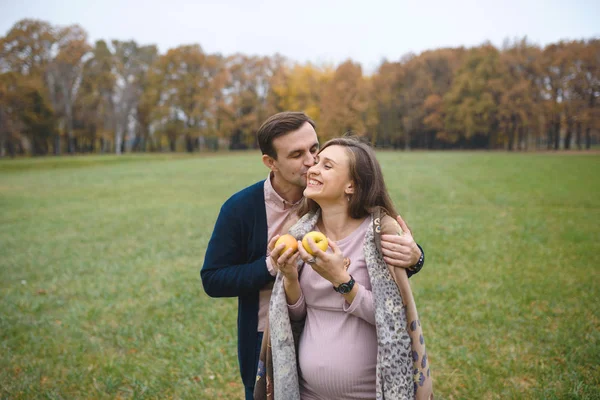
(278, 213)
(338, 347)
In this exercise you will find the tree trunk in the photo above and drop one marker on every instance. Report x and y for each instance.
(578, 135)
(512, 133)
(568, 135)
(36, 147)
(118, 141)
(69, 117)
(557, 134)
(520, 136)
(588, 135)
(189, 143)
(118, 133)
(141, 138)
(492, 138)
(10, 146)
(70, 145)
(20, 148)
(57, 144)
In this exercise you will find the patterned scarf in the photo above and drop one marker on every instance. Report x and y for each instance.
(402, 370)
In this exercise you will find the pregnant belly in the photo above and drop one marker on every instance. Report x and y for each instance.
(337, 356)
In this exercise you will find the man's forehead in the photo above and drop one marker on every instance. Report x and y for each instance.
(300, 140)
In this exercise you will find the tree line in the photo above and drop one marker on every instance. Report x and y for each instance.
(60, 94)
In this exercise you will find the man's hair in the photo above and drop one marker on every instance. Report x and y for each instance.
(279, 125)
(370, 190)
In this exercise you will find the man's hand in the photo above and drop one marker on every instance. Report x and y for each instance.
(400, 250)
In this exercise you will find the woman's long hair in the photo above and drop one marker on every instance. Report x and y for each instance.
(370, 191)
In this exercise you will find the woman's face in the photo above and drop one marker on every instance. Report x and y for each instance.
(329, 179)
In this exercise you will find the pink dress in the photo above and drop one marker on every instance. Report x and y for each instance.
(338, 347)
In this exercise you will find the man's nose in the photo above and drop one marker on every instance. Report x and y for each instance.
(309, 160)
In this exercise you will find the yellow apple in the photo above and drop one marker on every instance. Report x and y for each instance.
(289, 241)
(319, 239)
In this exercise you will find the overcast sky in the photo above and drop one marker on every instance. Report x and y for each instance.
(322, 31)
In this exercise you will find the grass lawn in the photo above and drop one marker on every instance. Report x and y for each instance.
(101, 295)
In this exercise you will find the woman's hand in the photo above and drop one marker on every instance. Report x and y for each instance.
(331, 266)
(286, 262)
(289, 267)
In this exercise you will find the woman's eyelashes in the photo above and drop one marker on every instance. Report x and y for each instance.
(326, 165)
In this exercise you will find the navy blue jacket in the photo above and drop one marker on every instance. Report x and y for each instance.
(235, 265)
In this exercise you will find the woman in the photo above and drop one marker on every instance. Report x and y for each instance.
(361, 338)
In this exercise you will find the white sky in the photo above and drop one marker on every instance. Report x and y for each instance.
(325, 31)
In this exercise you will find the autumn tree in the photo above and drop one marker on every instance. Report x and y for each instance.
(64, 78)
(386, 90)
(299, 87)
(472, 103)
(95, 105)
(519, 100)
(344, 102)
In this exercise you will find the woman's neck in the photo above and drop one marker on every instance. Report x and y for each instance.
(336, 223)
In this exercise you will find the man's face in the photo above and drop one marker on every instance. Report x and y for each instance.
(296, 153)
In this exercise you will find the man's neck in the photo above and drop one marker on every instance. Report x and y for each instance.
(289, 192)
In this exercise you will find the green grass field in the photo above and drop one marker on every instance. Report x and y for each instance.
(101, 295)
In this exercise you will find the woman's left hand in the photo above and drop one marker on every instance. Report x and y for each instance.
(331, 266)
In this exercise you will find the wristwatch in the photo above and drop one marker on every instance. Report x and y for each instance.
(345, 287)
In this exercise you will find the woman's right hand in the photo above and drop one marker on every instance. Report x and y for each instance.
(286, 262)
(288, 265)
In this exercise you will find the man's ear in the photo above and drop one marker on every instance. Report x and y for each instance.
(269, 162)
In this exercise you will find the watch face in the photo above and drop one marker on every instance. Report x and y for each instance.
(344, 288)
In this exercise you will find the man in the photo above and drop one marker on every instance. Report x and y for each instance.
(236, 262)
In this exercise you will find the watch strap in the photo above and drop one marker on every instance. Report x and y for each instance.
(344, 288)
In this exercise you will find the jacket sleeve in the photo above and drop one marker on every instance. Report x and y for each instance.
(226, 272)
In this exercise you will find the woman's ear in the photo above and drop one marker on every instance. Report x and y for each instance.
(349, 188)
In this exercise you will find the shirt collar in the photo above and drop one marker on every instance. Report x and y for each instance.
(273, 198)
